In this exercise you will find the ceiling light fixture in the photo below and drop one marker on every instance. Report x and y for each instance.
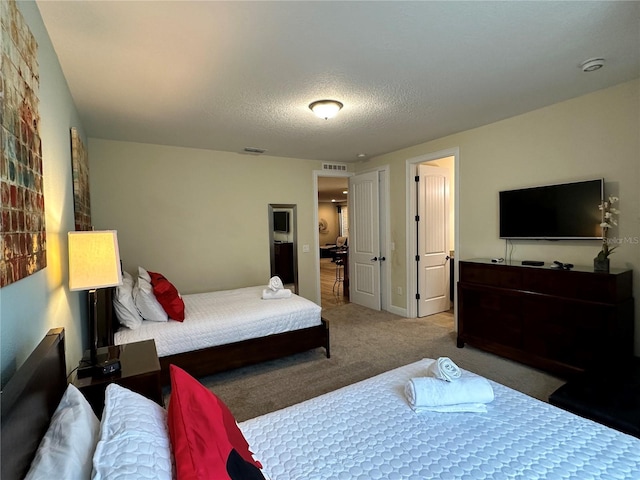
(592, 65)
(326, 108)
(361, 155)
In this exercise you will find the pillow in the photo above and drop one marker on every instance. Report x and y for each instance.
(205, 437)
(146, 301)
(168, 296)
(124, 304)
(67, 447)
(134, 439)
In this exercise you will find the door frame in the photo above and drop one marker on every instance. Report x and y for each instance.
(385, 228)
(411, 244)
(316, 233)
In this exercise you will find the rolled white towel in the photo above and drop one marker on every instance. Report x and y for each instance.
(275, 283)
(422, 392)
(268, 294)
(444, 369)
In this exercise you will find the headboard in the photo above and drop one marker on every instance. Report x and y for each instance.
(28, 402)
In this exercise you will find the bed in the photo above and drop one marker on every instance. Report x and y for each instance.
(367, 431)
(227, 329)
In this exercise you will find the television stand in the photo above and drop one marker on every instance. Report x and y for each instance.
(562, 321)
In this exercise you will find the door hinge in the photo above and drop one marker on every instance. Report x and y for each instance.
(417, 178)
(417, 296)
(417, 258)
(417, 218)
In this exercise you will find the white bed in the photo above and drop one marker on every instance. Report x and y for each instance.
(223, 317)
(368, 431)
(363, 431)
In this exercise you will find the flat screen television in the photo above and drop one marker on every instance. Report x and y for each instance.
(281, 222)
(568, 211)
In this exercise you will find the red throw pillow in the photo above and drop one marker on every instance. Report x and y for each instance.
(206, 441)
(167, 296)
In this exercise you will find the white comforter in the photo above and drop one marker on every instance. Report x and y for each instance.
(367, 431)
(218, 318)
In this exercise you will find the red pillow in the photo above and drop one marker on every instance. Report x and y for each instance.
(205, 438)
(167, 296)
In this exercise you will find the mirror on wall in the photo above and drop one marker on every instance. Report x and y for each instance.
(283, 244)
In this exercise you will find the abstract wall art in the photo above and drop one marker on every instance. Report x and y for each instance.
(22, 216)
(81, 198)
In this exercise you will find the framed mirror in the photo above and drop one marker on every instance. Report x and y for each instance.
(283, 244)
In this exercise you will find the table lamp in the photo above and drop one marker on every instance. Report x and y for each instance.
(94, 263)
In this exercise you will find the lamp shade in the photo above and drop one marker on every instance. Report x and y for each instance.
(94, 260)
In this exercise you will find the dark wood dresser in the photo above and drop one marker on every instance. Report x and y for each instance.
(562, 321)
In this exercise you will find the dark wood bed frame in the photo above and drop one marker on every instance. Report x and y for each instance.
(217, 359)
(28, 402)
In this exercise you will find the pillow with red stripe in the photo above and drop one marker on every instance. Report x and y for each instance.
(167, 296)
(205, 438)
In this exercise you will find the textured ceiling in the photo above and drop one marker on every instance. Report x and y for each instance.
(230, 75)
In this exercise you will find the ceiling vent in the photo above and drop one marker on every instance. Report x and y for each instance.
(254, 150)
(334, 167)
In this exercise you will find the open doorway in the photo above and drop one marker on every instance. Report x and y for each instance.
(432, 271)
(333, 240)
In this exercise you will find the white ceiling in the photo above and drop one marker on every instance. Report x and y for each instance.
(230, 75)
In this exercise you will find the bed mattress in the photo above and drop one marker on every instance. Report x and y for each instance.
(368, 431)
(219, 318)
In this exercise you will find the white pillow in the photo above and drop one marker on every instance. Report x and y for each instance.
(124, 304)
(67, 447)
(134, 438)
(146, 301)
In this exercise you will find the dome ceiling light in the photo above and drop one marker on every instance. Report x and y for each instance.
(326, 108)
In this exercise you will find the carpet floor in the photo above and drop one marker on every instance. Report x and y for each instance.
(364, 343)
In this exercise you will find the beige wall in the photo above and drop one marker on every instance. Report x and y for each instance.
(198, 216)
(596, 135)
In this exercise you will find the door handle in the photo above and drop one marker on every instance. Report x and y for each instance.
(382, 259)
(374, 259)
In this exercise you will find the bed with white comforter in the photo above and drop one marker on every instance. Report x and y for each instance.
(223, 317)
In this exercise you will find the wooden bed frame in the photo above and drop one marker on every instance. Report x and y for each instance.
(220, 358)
(28, 402)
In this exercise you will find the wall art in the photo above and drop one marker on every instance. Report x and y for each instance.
(23, 234)
(81, 198)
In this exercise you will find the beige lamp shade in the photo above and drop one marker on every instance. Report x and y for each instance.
(94, 260)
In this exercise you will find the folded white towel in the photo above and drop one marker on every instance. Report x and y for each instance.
(444, 369)
(460, 408)
(432, 392)
(268, 294)
(275, 283)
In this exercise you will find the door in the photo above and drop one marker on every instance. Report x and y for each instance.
(364, 242)
(433, 240)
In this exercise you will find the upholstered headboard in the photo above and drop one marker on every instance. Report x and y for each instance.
(28, 402)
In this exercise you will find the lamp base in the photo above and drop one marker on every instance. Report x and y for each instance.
(106, 362)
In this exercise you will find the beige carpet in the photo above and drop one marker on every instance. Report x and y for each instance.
(364, 343)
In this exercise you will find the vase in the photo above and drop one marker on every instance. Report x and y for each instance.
(600, 264)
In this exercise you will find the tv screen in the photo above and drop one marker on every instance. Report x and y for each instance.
(281, 222)
(568, 211)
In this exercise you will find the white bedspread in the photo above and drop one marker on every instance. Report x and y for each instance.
(218, 318)
(367, 431)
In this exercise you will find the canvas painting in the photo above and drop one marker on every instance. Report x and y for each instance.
(81, 198)
(23, 234)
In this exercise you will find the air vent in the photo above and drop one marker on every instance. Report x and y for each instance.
(254, 150)
(335, 167)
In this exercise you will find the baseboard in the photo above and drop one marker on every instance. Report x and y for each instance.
(397, 310)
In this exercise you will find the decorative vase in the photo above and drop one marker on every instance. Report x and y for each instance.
(600, 264)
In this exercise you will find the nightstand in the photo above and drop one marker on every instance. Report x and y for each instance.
(140, 372)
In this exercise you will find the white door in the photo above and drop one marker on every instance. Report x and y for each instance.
(433, 240)
(364, 240)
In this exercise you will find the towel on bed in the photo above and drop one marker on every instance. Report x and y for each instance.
(275, 284)
(268, 294)
(469, 393)
(444, 369)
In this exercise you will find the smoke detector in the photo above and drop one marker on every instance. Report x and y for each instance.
(592, 64)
